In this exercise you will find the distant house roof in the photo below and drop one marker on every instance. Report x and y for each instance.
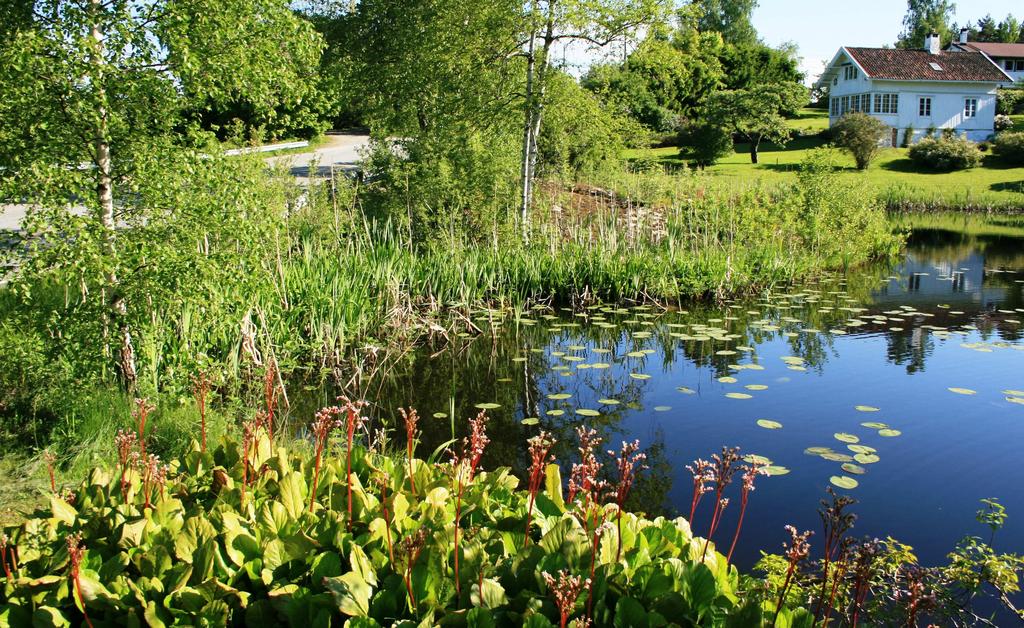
(993, 49)
(899, 64)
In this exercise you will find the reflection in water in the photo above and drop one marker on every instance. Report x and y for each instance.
(894, 338)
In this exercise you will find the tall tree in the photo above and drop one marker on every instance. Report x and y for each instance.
(91, 86)
(924, 17)
(551, 22)
(756, 114)
(730, 18)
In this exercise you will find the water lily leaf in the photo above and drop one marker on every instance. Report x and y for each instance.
(1014, 393)
(774, 470)
(530, 420)
(962, 391)
(555, 412)
(440, 415)
(855, 469)
(686, 391)
(889, 432)
(559, 396)
(757, 459)
(488, 406)
(875, 425)
(768, 424)
(640, 376)
(662, 408)
(844, 481)
(817, 451)
(866, 409)
(609, 402)
(866, 458)
(846, 437)
(1019, 400)
(728, 380)
(587, 412)
(861, 449)
(756, 387)
(736, 395)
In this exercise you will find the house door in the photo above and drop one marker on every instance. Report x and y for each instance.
(895, 137)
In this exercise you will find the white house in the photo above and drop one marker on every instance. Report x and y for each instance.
(1009, 57)
(920, 90)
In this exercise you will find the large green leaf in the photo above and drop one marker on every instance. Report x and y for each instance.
(553, 485)
(293, 491)
(351, 594)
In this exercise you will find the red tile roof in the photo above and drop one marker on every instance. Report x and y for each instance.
(916, 65)
(995, 49)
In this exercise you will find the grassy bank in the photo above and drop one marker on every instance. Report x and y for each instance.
(902, 185)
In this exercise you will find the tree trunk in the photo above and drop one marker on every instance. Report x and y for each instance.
(753, 149)
(525, 172)
(105, 204)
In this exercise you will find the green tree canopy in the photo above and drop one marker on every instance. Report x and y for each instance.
(924, 17)
(730, 18)
(756, 114)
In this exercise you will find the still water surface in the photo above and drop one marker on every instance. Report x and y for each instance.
(689, 381)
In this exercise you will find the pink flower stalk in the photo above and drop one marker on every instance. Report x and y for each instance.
(411, 418)
(749, 475)
(153, 474)
(250, 432)
(566, 589)
(465, 467)
(201, 389)
(325, 421)
(270, 397)
(141, 413)
(539, 446)
(413, 547)
(585, 492)
(796, 551)
(703, 474)
(4, 541)
(353, 421)
(724, 469)
(382, 481)
(51, 459)
(629, 459)
(125, 442)
(75, 552)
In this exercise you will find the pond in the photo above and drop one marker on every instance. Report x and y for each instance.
(902, 383)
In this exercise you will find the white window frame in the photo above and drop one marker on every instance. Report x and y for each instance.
(924, 106)
(970, 107)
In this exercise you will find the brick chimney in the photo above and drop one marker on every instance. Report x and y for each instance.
(933, 43)
(964, 32)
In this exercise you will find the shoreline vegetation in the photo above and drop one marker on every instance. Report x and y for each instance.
(257, 531)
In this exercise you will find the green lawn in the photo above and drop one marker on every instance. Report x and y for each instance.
(993, 183)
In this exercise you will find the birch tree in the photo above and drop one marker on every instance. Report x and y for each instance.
(90, 87)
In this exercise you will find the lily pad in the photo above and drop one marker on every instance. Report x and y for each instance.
(1014, 393)
(866, 409)
(875, 425)
(889, 432)
(662, 408)
(737, 395)
(440, 415)
(587, 412)
(728, 380)
(817, 451)
(861, 449)
(686, 391)
(555, 412)
(1019, 400)
(756, 387)
(532, 420)
(855, 469)
(609, 402)
(962, 391)
(774, 470)
(559, 396)
(768, 424)
(846, 437)
(844, 482)
(488, 406)
(833, 456)
(640, 376)
(866, 458)
(757, 459)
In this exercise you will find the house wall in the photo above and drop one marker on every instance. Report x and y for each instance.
(1017, 72)
(948, 101)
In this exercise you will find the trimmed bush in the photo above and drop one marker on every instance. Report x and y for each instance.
(945, 154)
(705, 144)
(1010, 146)
(860, 135)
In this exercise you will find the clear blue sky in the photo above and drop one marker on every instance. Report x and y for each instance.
(820, 27)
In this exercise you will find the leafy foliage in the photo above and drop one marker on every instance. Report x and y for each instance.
(756, 114)
(1010, 146)
(945, 153)
(860, 135)
(705, 143)
(230, 539)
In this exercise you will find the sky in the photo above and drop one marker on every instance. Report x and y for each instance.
(820, 27)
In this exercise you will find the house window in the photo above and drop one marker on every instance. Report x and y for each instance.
(970, 107)
(849, 72)
(878, 103)
(924, 106)
(854, 103)
(834, 110)
(1020, 65)
(1009, 64)
(844, 105)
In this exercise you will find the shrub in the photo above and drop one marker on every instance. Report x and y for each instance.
(1010, 101)
(705, 143)
(860, 135)
(1010, 146)
(1003, 122)
(908, 137)
(945, 154)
